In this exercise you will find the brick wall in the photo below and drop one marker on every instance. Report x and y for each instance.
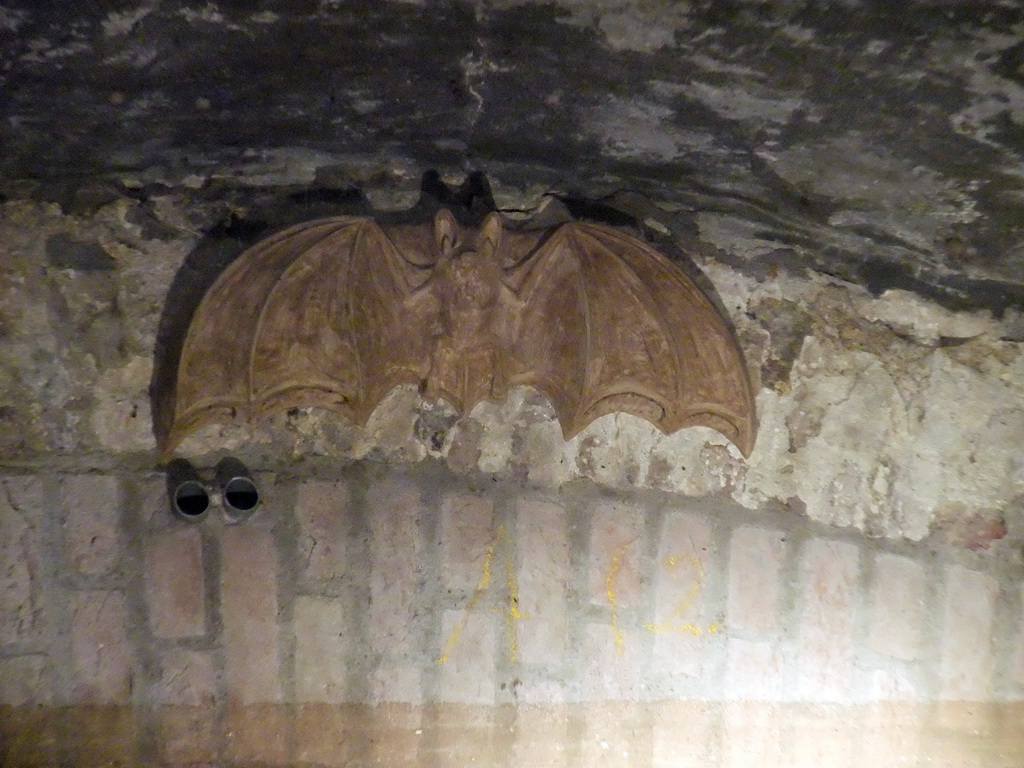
(386, 617)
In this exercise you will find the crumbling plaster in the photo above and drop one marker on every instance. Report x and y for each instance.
(884, 414)
(848, 176)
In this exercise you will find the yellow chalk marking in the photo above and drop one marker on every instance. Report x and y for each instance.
(669, 625)
(512, 612)
(609, 592)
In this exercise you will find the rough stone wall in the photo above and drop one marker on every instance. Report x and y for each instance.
(414, 617)
(886, 414)
(788, 146)
(643, 599)
(874, 141)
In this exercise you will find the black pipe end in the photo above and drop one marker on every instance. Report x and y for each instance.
(239, 491)
(188, 496)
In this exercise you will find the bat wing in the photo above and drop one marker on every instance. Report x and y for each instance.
(601, 322)
(317, 315)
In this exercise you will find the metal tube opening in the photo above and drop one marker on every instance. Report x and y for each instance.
(240, 494)
(188, 496)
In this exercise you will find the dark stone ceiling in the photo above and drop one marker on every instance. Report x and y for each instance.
(880, 142)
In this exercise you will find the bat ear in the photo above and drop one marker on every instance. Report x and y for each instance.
(490, 235)
(446, 232)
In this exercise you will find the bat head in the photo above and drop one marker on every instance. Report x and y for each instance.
(453, 241)
(467, 274)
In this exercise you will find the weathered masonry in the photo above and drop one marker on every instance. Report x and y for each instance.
(437, 588)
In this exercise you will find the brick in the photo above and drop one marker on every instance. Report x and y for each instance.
(611, 663)
(154, 507)
(967, 744)
(825, 646)
(467, 536)
(891, 734)
(175, 583)
(249, 615)
(186, 677)
(24, 681)
(451, 716)
(186, 707)
(91, 510)
(468, 660)
(966, 668)
(329, 734)
(541, 737)
(614, 735)
(542, 582)
(396, 731)
(615, 548)
(684, 734)
(321, 650)
(892, 685)
(323, 529)
(538, 691)
(99, 735)
(1018, 665)
(823, 737)
(21, 509)
(395, 682)
(187, 735)
(396, 577)
(752, 734)
(754, 670)
(680, 624)
(28, 735)
(103, 659)
(462, 734)
(27, 723)
(259, 733)
(964, 718)
(897, 607)
(756, 556)
(1011, 744)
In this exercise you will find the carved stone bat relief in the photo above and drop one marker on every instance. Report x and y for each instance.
(334, 313)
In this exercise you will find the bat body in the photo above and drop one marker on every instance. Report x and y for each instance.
(335, 313)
